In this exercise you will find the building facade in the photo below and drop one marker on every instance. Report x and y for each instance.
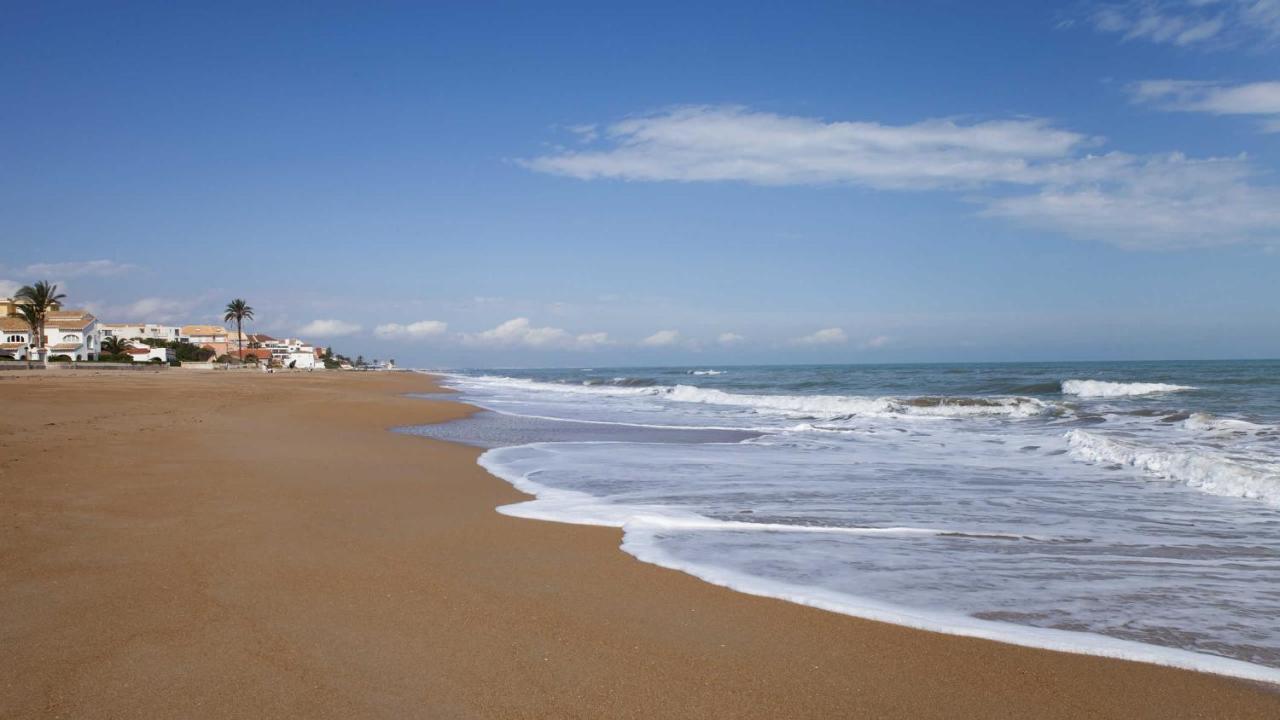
(69, 334)
(140, 331)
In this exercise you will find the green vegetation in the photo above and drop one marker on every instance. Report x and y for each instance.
(113, 349)
(239, 311)
(40, 299)
(184, 351)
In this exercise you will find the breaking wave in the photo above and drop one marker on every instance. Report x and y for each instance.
(1199, 468)
(1104, 389)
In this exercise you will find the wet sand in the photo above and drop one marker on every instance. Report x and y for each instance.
(187, 544)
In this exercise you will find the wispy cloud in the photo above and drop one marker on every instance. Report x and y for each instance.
(877, 342)
(729, 338)
(1191, 23)
(328, 328)
(519, 332)
(87, 268)
(662, 338)
(1259, 99)
(1024, 170)
(1165, 202)
(828, 336)
(706, 143)
(421, 330)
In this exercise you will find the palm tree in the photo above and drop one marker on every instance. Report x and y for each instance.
(114, 346)
(239, 311)
(40, 299)
(28, 313)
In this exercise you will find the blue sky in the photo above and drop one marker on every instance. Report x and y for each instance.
(572, 183)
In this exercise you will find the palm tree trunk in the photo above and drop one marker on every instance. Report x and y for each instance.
(239, 341)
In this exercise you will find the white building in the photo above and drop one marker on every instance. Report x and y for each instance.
(15, 338)
(144, 353)
(71, 334)
(140, 331)
(293, 353)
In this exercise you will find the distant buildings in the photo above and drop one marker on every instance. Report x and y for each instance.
(287, 353)
(78, 335)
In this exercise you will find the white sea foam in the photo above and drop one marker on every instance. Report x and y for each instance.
(647, 529)
(1104, 389)
(835, 406)
(802, 406)
(643, 546)
(706, 372)
(1199, 468)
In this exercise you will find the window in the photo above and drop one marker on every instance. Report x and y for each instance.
(17, 338)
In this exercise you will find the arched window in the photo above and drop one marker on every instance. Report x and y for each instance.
(71, 339)
(16, 338)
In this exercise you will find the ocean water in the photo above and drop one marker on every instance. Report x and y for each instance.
(1121, 509)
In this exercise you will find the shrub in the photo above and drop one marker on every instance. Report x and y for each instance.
(5, 358)
(155, 361)
(60, 358)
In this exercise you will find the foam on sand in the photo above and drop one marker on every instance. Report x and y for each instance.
(645, 525)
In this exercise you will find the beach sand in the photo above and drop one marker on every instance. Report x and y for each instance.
(179, 544)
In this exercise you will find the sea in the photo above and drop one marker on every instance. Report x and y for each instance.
(1124, 509)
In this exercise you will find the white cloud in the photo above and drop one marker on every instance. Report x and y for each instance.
(1259, 98)
(1191, 23)
(420, 330)
(828, 336)
(9, 287)
(328, 328)
(519, 332)
(145, 310)
(94, 268)
(706, 143)
(158, 310)
(1026, 171)
(877, 342)
(662, 338)
(729, 338)
(1166, 202)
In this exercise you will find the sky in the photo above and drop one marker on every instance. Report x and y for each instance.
(546, 184)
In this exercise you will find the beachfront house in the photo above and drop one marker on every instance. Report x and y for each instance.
(290, 352)
(71, 334)
(146, 353)
(286, 353)
(214, 337)
(68, 334)
(15, 338)
(140, 331)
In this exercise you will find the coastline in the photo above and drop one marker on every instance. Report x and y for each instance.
(270, 549)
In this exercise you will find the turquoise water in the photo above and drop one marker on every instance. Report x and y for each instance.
(1127, 509)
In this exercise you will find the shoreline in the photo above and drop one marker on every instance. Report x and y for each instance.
(273, 550)
(548, 504)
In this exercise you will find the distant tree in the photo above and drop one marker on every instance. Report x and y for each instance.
(40, 299)
(359, 361)
(239, 311)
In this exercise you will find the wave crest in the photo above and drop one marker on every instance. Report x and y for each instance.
(1104, 389)
(1200, 469)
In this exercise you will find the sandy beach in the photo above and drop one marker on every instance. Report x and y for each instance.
(185, 544)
